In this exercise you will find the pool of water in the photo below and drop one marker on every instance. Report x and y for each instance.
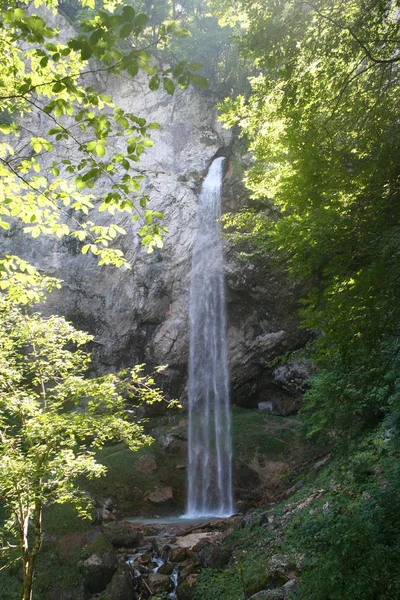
(172, 520)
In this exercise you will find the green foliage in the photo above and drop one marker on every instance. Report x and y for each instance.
(53, 419)
(339, 533)
(272, 435)
(322, 122)
(219, 584)
(56, 183)
(351, 537)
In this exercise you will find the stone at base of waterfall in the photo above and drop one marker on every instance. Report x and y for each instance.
(283, 405)
(159, 583)
(146, 464)
(120, 587)
(185, 590)
(160, 495)
(186, 569)
(287, 592)
(122, 534)
(98, 570)
(178, 555)
(266, 407)
(210, 556)
(166, 569)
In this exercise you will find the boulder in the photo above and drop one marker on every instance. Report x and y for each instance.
(186, 569)
(70, 544)
(120, 587)
(185, 590)
(160, 495)
(159, 583)
(290, 590)
(210, 556)
(203, 551)
(98, 569)
(166, 569)
(266, 407)
(122, 534)
(146, 464)
(178, 555)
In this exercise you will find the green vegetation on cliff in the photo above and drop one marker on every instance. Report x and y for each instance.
(322, 121)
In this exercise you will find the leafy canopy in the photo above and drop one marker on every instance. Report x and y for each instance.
(56, 182)
(323, 123)
(53, 418)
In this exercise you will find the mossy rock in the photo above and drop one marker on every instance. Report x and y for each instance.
(122, 534)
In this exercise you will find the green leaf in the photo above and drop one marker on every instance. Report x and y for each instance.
(169, 85)
(181, 32)
(132, 68)
(19, 13)
(141, 20)
(57, 87)
(125, 30)
(128, 12)
(96, 36)
(86, 51)
(199, 80)
(154, 83)
(144, 55)
(100, 150)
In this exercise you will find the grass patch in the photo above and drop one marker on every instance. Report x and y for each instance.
(273, 436)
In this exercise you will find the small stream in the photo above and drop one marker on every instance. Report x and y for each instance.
(168, 551)
(153, 562)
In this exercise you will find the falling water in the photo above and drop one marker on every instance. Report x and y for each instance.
(210, 450)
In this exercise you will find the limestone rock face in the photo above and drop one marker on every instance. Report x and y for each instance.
(141, 315)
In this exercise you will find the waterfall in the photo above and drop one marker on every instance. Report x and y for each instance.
(210, 449)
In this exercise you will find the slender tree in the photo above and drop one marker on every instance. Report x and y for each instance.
(53, 418)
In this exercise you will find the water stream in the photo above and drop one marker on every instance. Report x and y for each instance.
(210, 449)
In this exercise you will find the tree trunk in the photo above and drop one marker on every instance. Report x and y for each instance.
(29, 556)
(27, 579)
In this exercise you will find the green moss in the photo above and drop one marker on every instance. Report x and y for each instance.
(60, 519)
(275, 437)
(99, 545)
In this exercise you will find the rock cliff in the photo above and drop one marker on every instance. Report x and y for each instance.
(141, 315)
